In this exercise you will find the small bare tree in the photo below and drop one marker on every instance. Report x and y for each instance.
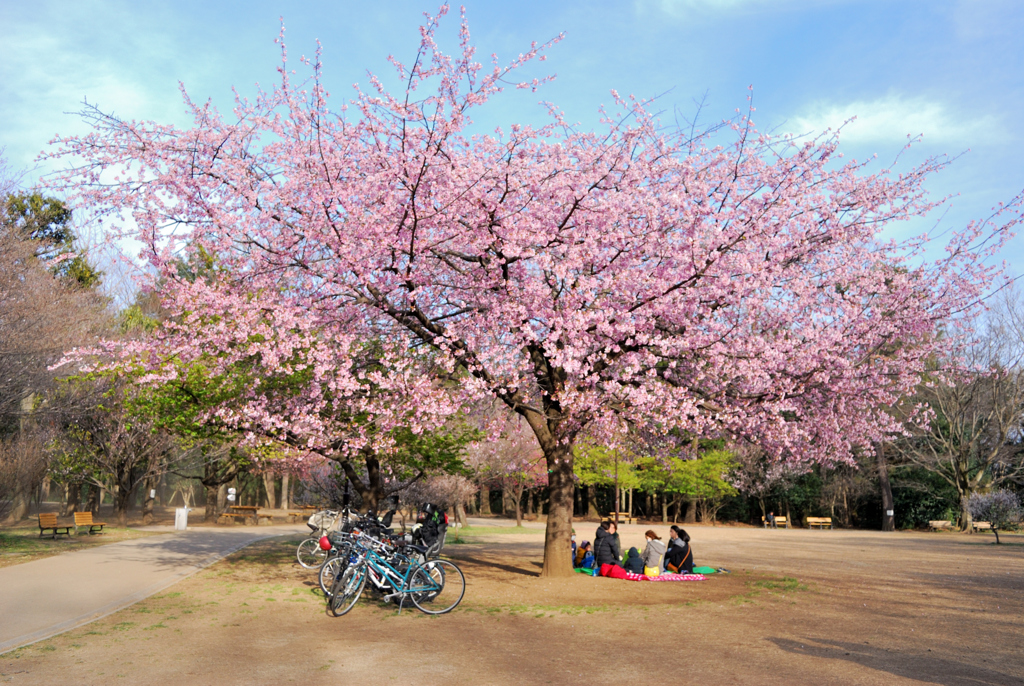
(22, 466)
(973, 440)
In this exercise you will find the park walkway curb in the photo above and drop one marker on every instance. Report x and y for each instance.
(43, 598)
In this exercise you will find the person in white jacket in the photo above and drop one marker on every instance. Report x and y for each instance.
(652, 554)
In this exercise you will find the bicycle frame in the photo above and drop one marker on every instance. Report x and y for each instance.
(380, 571)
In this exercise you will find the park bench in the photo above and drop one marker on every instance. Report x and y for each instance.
(779, 521)
(820, 522)
(982, 526)
(84, 519)
(48, 522)
(940, 525)
(624, 517)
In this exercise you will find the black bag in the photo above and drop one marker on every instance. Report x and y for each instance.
(433, 521)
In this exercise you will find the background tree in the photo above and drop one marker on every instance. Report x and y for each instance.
(1000, 508)
(44, 310)
(710, 476)
(973, 440)
(115, 448)
(582, 278)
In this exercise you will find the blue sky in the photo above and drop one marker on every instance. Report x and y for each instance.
(950, 70)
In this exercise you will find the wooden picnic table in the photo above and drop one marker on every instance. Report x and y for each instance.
(244, 512)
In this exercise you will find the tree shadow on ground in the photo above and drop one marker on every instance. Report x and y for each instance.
(483, 565)
(919, 667)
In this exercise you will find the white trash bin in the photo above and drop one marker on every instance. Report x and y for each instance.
(180, 519)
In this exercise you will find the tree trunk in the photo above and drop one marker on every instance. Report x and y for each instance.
(95, 498)
(592, 509)
(285, 486)
(485, 500)
(664, 509)
(148, 500)
(888, 508)
(558, 536)
(122, 501)
(460, 513)
(222, 497)
(270, 484)
(519, 510)
(966, 521)
(73, 495)
(691, 512)
(212, 492)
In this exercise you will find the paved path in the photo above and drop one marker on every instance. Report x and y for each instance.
(49, 596)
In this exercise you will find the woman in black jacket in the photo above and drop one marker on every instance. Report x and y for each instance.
(606, 546)
(679, 554)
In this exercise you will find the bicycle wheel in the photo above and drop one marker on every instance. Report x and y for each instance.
(310, 554)
(330, 571)
(346, 590)
(437, 587)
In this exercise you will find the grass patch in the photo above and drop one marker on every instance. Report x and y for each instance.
(492, 530)
(22, 543)
(538, 610)
(786, 584)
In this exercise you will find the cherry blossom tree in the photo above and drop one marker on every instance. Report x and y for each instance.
(729, 283)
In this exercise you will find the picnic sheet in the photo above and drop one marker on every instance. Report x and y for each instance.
(616, 572)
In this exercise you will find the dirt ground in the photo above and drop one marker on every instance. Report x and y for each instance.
(799, 607)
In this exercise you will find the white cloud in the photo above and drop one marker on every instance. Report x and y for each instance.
(48, 70)
(891, 119)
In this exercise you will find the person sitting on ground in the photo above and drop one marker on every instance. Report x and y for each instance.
(573, 558)
(584, 556)
(633, 562)
(606, 545)
(679, 557)
(652, 554)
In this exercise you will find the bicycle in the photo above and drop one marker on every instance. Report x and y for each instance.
(435, 587)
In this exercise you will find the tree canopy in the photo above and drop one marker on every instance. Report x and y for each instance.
(737, 284)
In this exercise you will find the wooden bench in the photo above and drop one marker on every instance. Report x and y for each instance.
(48, 522)
(779, 521)
(84, 519)
(624, 517)
(983, 526)
(820, 522)
(940, 525)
